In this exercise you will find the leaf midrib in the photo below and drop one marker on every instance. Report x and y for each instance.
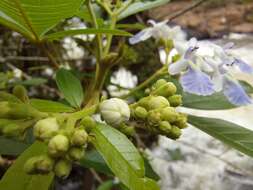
(26, 19)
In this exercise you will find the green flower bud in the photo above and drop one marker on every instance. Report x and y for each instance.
(175, 132)
(62, 168)
(159, 83)
(44, 164)
(20, 92)
(165, 127)
(165, 90)
(88, 122)
(127, 130)
(154, 117)
(169, 114)
(11, 110)
(114, 111)
(181, 121)
(140, 112)
(175, 100)
(30, 165)
(4, 96)
(46, 128)
(144, 102)
(75, 153)
(158, 102)
(79, 137)
(12, 130)
(58, 145)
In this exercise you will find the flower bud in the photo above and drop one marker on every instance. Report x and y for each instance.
(169, 114)
(140, 112)
(143, 102)
(20, 92)
(165, 127)
(76, 153)
(181, 121)
(159, 83)
(62, 168)
(175, 132)
(29, 166)
(114, 111)
(154, 117)
(175, 100)
(11, 110)
(165, 90)
(44, 164)
(88, 122)
(158, 102)
(58, 145)
(79, 137)
(4, 96)
(46, 128)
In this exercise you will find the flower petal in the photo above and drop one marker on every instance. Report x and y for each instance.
(141, 36)
(235, 92)
(196, 82)
(177, 67)
(243, 66)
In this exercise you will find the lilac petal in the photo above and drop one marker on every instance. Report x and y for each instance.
(141, 36)
(235, 92)
(196, 82)
(244, 67)
(177, 67)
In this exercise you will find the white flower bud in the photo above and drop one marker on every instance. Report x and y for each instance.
(45, 128)
(114, 111)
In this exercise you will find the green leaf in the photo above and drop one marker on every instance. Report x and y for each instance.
(33, 18)
(31, 82)
(62, 34)
(232, 134)
(120, 155)
(93, 159)
(16, 179)
(70, 86)
(50, 106)
(139, 6)
(149, 172)
(11, 146)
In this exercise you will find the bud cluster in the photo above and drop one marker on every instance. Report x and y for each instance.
(158, 112)
(64, 147)
(16, 114)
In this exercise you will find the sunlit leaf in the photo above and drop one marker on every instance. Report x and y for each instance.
(33, 18)
(232, 134)
(121, 156)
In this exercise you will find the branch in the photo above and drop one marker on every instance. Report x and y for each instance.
(185, 10)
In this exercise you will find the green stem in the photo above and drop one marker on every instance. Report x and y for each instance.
(94, 94)
(109, 36)
(146, 82)
(98, 36)
(84, 112)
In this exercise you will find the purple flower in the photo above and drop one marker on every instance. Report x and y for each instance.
(204, 68)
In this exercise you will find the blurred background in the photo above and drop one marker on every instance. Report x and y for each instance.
(194, 162)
